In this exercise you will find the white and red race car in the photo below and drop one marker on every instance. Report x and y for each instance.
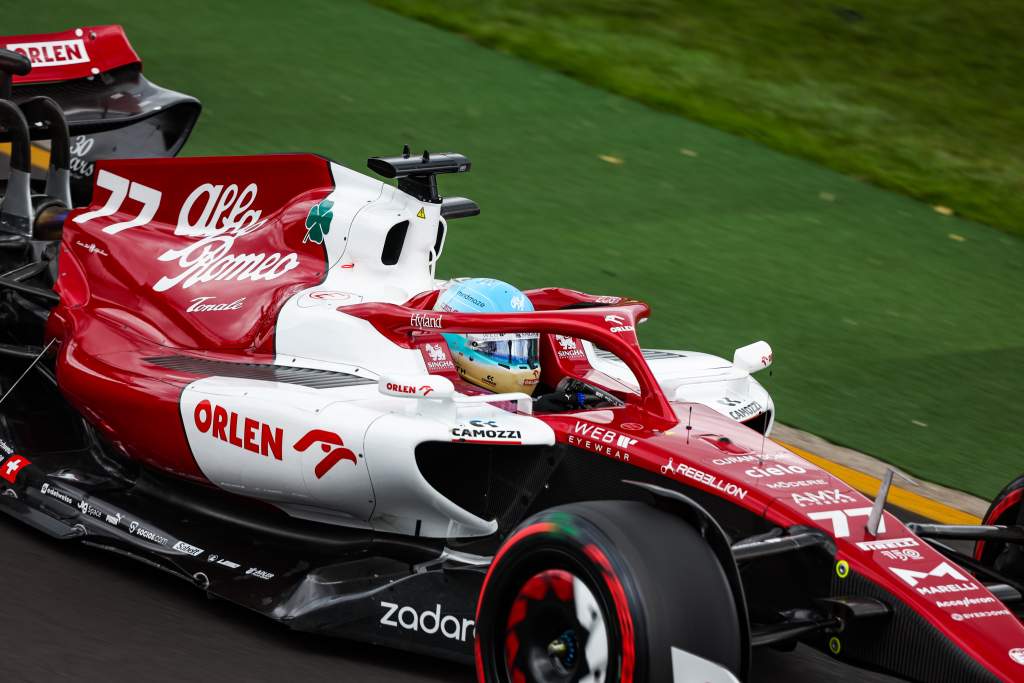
(231, 368)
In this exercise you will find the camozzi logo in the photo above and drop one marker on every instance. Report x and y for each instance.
(53, 52)
(215, 216)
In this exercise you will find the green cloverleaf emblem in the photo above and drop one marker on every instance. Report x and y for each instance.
(318, 222)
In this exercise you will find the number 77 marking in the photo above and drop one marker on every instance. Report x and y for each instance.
(120, 188)
(840, 524)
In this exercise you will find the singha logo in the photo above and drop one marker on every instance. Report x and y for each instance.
(331, 444)
(435, 352)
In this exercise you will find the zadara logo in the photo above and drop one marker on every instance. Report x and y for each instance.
(332, 446)
(215, 214)
(430, 622)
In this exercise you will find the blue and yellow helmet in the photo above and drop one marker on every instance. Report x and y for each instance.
(499, 362)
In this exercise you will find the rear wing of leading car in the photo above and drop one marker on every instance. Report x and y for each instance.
(112, 111)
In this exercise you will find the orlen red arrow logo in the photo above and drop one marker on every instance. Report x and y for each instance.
(328, 441)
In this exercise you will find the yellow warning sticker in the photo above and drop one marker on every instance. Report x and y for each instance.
(422, 213)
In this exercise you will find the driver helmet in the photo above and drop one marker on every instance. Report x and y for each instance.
(502, 363)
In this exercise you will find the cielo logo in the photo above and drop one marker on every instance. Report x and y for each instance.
(428, 621)
(1017, 655)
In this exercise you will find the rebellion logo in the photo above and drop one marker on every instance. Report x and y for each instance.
(53, 52)
(241, 432)
(331, 444)
(709, 480)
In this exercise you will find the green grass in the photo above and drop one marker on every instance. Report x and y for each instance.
(878, 318)
(918, 96)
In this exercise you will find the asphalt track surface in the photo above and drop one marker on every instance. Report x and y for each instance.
(72, 613)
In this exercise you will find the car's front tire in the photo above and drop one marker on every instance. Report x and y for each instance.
(1007, 509)
(607, 591)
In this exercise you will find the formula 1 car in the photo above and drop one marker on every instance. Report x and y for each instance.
(232, 368)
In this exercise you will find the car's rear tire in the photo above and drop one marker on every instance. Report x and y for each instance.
(1007, 509)
(606, 591)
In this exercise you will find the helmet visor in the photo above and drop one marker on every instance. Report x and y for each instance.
(508, 349)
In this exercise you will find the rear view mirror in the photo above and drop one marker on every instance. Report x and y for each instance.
(753, 357)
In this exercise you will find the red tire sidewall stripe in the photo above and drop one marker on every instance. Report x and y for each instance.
(625, 617)
(1011, 499)
(525, 532)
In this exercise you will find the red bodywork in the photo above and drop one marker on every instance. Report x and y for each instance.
(76, 53)
(130, 293)
(114, 313)
(701, 448)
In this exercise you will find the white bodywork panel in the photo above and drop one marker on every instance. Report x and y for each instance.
(690, 376)
(689, 668)
(372, 479)
(344, 455)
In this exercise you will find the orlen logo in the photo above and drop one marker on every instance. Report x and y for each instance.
(252, 435)
(331, 444)
(409, 389)
(618, 323)
(53, 52)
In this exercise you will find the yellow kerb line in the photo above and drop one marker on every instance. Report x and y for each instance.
(908, 500)
(40, 157)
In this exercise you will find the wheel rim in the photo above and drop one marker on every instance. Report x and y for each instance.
(556, 631)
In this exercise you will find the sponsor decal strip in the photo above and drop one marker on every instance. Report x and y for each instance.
(900, 497)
